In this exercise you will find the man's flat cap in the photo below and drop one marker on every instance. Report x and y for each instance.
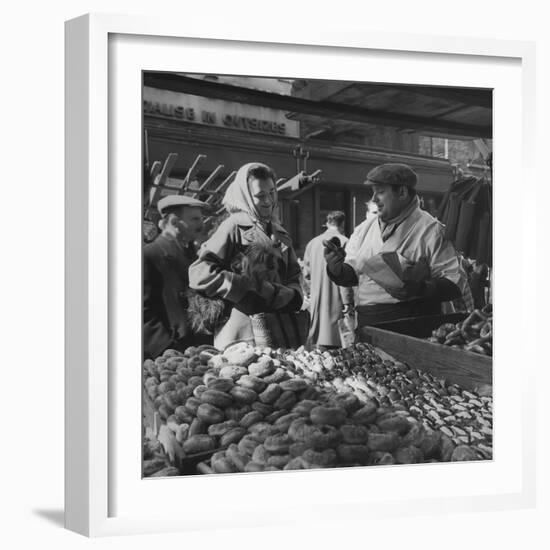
(178, 200)
(392, 174)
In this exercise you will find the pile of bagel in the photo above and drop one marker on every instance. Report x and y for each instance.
(466, 416)
(256, 409)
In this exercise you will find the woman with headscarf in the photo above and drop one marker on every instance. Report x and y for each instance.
(251, 201)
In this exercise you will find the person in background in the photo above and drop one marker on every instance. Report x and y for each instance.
(401, 227)
(165, 276)
(327, 300)
(251, 201)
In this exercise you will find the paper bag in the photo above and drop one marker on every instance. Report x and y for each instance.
(386, 269)
(346, 328)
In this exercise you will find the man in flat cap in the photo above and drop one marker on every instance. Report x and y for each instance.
(166, 264)
(431, 272)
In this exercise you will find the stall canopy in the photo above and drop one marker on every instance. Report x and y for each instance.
(328, 108)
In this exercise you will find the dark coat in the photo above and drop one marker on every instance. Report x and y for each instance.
(165, 281)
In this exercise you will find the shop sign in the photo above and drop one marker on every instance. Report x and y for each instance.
(216, 112)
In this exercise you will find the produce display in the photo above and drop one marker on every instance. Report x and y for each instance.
(464, 416)
(252, 409)
(474, 334)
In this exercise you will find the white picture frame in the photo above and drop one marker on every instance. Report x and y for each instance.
(99, 500)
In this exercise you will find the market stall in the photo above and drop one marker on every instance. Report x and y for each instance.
(253, 409)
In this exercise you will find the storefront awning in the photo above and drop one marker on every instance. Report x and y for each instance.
(429, 110)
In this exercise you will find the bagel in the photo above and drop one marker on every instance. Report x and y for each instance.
(165, 411)
(251, 418)
(261, 430)
(270, 394)
(171, 399)
(262, 408)
(333, 416)
(261, 368)
(243, 395)
(198, 426)
(279, 461)
(410, 455)
(296, 463)
(274, 416)
(207, 354)
(223, 466)
(431, 444)
(239, 459)
(353, 453)
(278, 376)
(348, 401)
(260, 455)
(354, 435)
(287, 400)
(217, 430)
(183, 415)
(210, 414)
(195, 381)
(234, 435)
(283, 423)
(192, 404)
(247, 444)
(365, 415)
(294, 384)
(296, 449)
(383, 441)
(184, 394)
(310, 393)
(324, 459)
(304, 407)
(237, 413)
(218, 398)
(252, 383)
(278, 444)
(240, 355)
(199, 443)
(254, 467)
(298, 429)
(233, 372)
(220, 384)
(321, 437)
(462, 453)
(380, 458)
(416, 435)
(217, 455)
(393, 423)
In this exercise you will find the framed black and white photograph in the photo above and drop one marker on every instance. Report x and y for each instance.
(264, 352)
(289, 262)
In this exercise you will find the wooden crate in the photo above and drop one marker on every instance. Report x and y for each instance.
(468, 370)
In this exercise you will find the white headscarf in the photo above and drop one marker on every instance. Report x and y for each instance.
(238, 197)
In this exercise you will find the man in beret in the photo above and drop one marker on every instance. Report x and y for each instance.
(166, 264)
(434, 274)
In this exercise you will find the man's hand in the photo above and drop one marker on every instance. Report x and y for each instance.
(415, 279)
(419, 271)
(334, 256)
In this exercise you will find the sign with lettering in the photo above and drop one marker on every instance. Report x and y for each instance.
(217, 112)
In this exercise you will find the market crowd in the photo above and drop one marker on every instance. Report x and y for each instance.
(245, 282)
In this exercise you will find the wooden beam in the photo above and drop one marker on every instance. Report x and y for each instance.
(325, 109)
(225, 182)
(472, 97)
(191, 172)
(160, 180)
